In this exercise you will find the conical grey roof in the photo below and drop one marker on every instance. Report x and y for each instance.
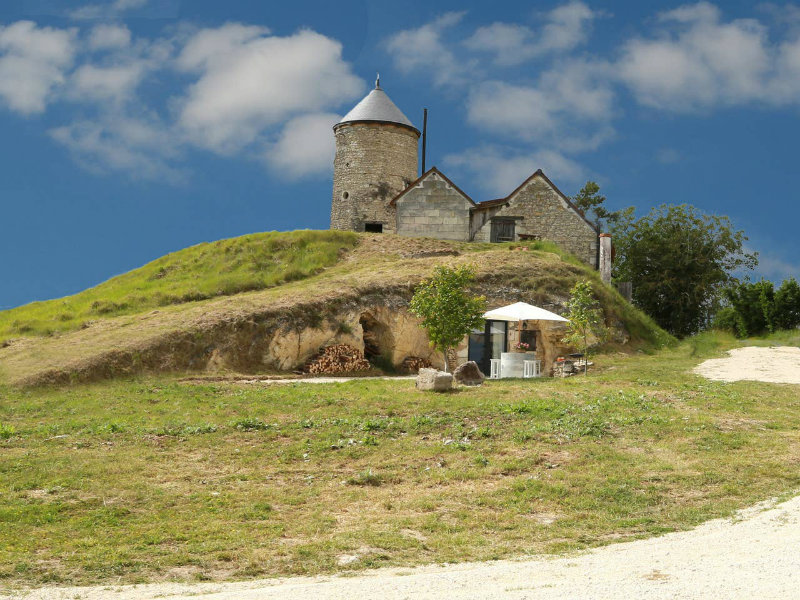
(377, 106)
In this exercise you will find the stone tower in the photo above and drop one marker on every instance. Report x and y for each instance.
(376, 159)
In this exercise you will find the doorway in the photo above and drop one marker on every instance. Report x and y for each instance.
(488, 343)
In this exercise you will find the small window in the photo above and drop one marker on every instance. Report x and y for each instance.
(345, 195)
(373, 227)
(528, 336)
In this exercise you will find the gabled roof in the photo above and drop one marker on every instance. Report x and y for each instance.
(377, 107)
(564, 197)
(415, 183)
(487, 204)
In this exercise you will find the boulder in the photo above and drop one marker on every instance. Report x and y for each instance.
(433, 379)
(469, 374)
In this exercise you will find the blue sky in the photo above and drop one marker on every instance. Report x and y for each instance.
(132, 128)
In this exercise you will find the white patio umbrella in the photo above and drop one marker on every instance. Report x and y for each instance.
(522, 311)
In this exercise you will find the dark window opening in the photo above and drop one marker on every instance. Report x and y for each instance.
(345, 195)
(503, 231)
(373, 227)
(528, 337)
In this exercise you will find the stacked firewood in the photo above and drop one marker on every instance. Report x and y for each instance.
(412, 365)
(340, 358)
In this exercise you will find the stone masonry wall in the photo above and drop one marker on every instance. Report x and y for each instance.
(434, 209)
(545, 214)
(374, 162)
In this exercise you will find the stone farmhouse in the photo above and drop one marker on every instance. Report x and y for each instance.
(377, 188)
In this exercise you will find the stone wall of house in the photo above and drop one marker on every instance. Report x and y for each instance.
(433, 208)
(548, 216)
(373, 163)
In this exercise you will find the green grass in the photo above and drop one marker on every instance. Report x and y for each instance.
(154, 479)
(223, 268)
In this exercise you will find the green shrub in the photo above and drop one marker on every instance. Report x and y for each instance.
(6, 431)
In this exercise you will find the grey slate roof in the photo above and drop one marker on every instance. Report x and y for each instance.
(377, 106)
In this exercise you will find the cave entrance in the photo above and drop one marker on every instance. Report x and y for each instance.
(378, 341)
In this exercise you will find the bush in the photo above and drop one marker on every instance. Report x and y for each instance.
(757, 308)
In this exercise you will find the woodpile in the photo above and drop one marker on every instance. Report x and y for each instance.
(340, 358)
(412, 365)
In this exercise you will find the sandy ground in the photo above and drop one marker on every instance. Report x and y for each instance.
(752, 556)
(777, 365)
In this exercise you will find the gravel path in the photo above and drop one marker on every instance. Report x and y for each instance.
(779, 364)
(753, 556)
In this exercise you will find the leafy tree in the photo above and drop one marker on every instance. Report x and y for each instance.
(787, 305)
(448, 311)
(750, 310)
(585, 319)
(680, 261)
(590, 202)
(757, 308)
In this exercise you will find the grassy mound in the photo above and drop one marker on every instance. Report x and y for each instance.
(234, 296)
(223, 268)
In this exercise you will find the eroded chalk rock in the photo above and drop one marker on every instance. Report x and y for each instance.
(432, 379)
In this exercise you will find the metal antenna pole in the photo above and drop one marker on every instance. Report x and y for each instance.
(424, 137)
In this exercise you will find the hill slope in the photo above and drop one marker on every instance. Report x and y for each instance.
(188, 309)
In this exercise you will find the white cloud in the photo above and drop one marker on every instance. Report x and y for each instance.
(116, 83)
(305, 147)
(140, 147)
(250, 81)
(570, 107)
(499, 171)
(105, 11)
(109, 37)
(700, 62)
(33, 62)
(565, 28)
(423, 49)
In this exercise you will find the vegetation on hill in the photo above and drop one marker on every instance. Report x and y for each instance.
(222, 268)
(156, 478)
(362, 270)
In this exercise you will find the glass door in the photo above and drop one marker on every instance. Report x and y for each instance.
(488, 343)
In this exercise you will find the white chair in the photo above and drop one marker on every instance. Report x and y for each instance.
(494, 368)
(531, 368)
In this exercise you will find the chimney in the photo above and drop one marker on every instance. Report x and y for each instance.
(605, 257)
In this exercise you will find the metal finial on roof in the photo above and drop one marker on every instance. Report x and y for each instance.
(377, 81)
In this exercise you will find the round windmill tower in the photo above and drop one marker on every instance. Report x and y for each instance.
(376, 159)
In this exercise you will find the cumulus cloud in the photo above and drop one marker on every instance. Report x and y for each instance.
(140, 147)
(565, 28)
(33, 62)
(698, 61)
(305, 147)
(109, 37)
(105, 11)
(250, 81)
(570, 107)
(423, 49)
(498, 171)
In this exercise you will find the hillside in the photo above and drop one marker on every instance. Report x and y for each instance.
(226, 304)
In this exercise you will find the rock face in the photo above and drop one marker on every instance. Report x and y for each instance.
(469, 374)
(437, 381)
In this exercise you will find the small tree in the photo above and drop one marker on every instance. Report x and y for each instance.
(448, 311)
(590, 202)
(585, 319)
